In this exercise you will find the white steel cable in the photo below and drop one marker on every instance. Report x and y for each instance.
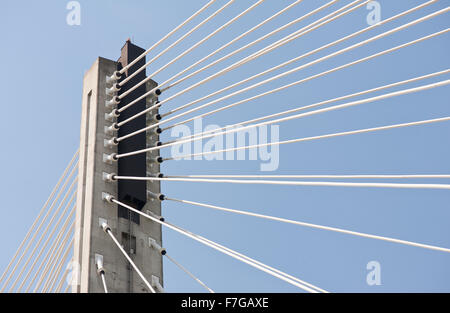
(49, 238)
(302, 32)
(231, 21)
(328, 109)
(109, 232)
(61, 282)
(303, 285)
(303, 56)
(47, 274)
(334, 229)
(223, 47)
(292, 183)
(295, 116)
(227, 56)
(30, 242)
(252, 260)
(39, 215)
(189, 273)
(102, 275)
(233, 41)
(67, 289)
(289, 72)
(165, 37)
(59, 267)
(47, 228)
(295, 35)
(104, 283)
(416, 176)
(353, 132)
(243, 61)
(61, 263)
(177, 42)
(54, 267)
(51, 264)
(189, 50)
(240, 124)
(282, 87)
(216, 132)
(51, 252)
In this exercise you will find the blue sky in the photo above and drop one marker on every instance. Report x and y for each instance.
(43, 64)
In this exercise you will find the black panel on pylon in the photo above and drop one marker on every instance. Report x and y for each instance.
(132, 192)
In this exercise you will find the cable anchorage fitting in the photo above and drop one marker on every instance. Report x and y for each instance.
(109, 177)
(110, 158)
(158, 217)
(152, 103)
(155, 131)
(157, 175)
(156, 284)
(109, 130)
(113, 78)
(107, 197)
(99, 264)
(113, 90)
(156, 117)
(112, 115)
(110, 104)
(156, 196)
(111, 143)
(104, 225)
(153, 244)
(154, 94)
(156, 159)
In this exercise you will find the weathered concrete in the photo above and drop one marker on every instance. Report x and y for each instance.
(89, 237)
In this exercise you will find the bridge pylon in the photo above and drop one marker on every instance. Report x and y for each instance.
(92, 246)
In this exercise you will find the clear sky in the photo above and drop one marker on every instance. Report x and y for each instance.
(43, 61)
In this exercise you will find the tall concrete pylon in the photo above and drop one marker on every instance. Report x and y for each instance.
(132, 231)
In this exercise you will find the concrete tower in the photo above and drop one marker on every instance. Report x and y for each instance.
(132, 231)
